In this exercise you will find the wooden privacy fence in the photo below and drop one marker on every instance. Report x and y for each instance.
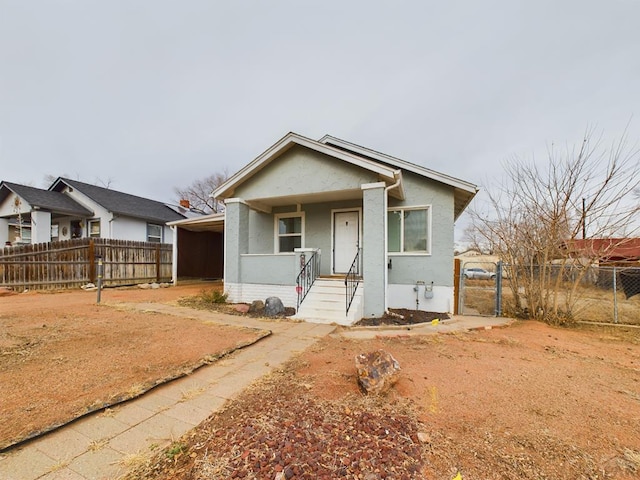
(72, 263)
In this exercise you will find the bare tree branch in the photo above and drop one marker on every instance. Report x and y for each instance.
(198, 193)
(536, 214)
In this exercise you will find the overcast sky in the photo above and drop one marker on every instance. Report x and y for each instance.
(150, 95)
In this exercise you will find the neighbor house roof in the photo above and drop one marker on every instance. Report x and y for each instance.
(607, 249)
(54, 202)
(121, 203)
(389, 169)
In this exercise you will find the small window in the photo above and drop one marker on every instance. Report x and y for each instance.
(408, 230)
(76, 229)
(289, 232)
(94, 228)
(154, 233)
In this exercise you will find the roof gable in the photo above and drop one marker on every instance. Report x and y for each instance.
(121, 203)
(385, 173)
(54, 202)
(389, 169)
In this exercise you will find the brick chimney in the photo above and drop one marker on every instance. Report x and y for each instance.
(185, 203)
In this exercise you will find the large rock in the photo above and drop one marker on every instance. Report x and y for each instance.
(257, 306)
(273, 307)
(377, 371)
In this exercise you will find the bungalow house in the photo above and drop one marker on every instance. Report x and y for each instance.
(377, 230)
(72, 209)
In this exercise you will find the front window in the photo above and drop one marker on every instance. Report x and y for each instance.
(94, 228)
(408, 230)
(154, 233)
(289, 232)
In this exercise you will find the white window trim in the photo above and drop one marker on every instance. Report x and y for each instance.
(276, 231)
(428, 208)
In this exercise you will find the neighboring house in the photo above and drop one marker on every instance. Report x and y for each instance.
(72, 209)
(606, 251)
(336, 198)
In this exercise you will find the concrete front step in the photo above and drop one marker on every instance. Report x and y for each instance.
(326, 303)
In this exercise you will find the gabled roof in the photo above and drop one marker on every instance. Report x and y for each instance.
(388, 168)
(121, 203)
(54, 202)
(464, 191)
(385, 173)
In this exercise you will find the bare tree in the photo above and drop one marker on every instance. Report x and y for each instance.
(537, 217)
(199, 193)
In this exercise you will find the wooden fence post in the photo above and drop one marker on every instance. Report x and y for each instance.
(92, 261)
(158, 263)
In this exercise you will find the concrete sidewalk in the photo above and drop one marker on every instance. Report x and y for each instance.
(98, 446)
(102, 445)
(458, 323)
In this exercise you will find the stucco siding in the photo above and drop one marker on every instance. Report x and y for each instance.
(268, 269)
(437, 266)
(300, 172)
(261, 232)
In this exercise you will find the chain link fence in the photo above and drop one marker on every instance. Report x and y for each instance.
(608, 294)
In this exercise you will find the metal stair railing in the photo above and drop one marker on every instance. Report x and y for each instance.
(307, 276)
(351, 281)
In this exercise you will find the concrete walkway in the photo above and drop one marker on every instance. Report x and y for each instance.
(106, 444)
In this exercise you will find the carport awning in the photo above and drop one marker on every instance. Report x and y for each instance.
(213, 222)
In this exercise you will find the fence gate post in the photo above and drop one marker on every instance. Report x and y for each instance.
(456, 286)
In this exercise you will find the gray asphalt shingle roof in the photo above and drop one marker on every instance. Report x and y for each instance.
(122, 203)
(54, 202)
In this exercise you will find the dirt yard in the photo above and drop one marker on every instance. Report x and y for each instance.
(528, 402)
(62, 355)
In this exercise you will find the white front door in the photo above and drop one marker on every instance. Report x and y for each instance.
(346, 239)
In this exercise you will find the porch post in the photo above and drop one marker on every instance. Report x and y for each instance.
(236, 242)
(373, 249)
(40, 226)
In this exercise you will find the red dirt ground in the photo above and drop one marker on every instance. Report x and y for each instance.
(62, 356)
(528, 401)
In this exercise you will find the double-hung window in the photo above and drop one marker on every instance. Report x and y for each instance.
(94, 228)
(408, 230)
(154, 233)
(289, 232)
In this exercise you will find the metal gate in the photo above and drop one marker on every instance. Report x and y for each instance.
(479, 287)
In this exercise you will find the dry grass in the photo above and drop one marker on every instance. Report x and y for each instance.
(592, 304)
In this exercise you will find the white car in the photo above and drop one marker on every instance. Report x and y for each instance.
(478, 273)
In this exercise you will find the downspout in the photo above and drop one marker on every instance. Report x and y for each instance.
(398, 177)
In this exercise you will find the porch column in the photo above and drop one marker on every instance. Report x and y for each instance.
(373, 249)
(4, 232)
(236, 239)
(40, 226)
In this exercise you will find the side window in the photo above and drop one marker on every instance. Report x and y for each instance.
(94, 228)
(154, 233)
